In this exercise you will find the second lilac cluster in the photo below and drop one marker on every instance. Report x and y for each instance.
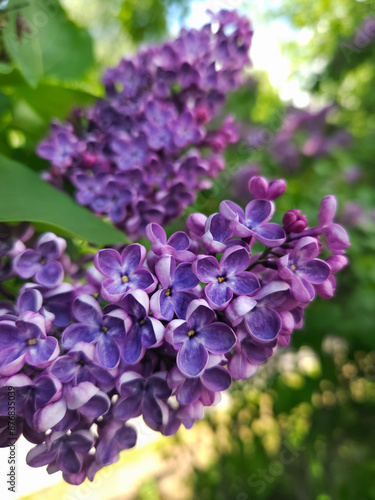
(136, 156)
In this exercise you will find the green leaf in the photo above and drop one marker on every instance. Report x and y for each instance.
(26, 197)
(48, 43)
(54, 100)
(26, 53)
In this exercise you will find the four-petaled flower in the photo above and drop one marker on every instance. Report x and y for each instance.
(107, 331)
(124, 272)
(42, 262)
(301, 269)
(254, 221)
(199, 336)
(226, 278)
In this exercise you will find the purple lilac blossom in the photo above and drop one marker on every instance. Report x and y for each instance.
(305, 133)
(136, 155)
(180, 325)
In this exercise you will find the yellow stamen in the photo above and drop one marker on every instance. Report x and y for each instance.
(105, 329)
(168, 292)
(31, 341)
(191, 333)
(220, 279)
(293, 267)
(142, 322)
(125, 279)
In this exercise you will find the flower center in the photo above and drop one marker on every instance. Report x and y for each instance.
(125, 279)
(31, 342)
(293, 267)
(168, 292)
(42, 261)
(220, 279)
(191, 333)
(142, 322)
(104, 329)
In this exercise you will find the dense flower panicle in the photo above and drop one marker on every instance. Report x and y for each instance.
(303, 134)
(135, 156)
(157, 334)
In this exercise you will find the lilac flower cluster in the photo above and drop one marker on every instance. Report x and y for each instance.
(157, 334)
(136, 155)
(303, 134)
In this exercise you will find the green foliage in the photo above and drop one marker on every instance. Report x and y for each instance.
(41, 41)
(147, 20)
(26, 197)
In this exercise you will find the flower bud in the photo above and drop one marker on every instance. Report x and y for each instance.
(258, 187)
(276, 189)
(294, 221)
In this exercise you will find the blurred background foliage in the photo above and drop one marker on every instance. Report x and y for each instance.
(302, 428)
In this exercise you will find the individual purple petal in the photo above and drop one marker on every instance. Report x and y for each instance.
(64, 368)
(192, 358)
(218, 294)
(234, 260)
(243, 283)
(165, 270)
(270, 234)
(144, 280)
(216, 379)
(44, 351)
(258, 212)
(218, 338)
(184, 278)
(132, 348)
(107, 351)
(87, 310)
(132, 257)
(263, 323)
(108, 262)
(189, 391)
(30, 300)
(97, 406)
(50, 415)
(68, 460)
(50, 274)
(199, 314)
(78, 332)
(27, 264)
(206, 269)
(315, 271)
(229, 210)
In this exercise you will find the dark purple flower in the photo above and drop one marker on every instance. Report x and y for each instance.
(217, 232)
(336, 237)
(261, 319)
(143, 396)
(62, 146)
(107, 331)
(114, 436)
(198, 336)
(173, 297)
(189, 389)
(145, 332)
(301, 269)
(79, 365)
(42, 262)
(177, 245)
(66, 450)
(228, 278)
(186, 130)
(254, 221)
(25, 341)
(124, 272)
